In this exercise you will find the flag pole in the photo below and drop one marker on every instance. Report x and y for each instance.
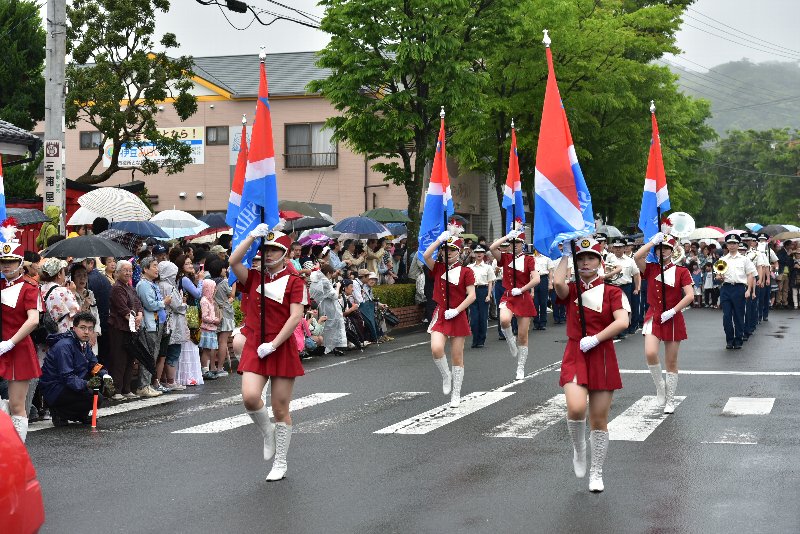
(262, 56)
(578, 283)
(444, 245)
(513, 223)
(658, 222)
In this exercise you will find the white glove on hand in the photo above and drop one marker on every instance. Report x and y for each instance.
(667, 315)
(108, 378)
(513, 234)
(658, 238)
(6, 346)
(260, 231)
(516, 292)
(566, 251)
(449, 314)
(588, 343)
(265, 349)
(444, 236)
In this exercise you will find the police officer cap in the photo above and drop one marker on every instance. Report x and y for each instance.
(763, 237)
(600, 236)
(747, 236)
(479, 249)
(732, 238)
(618, 242)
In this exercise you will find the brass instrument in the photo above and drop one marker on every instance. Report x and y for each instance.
(682, 224)
(720, 267)
(678, 254)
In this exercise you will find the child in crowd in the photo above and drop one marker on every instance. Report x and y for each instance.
(709, 286)
(697, 282)
(209, 319)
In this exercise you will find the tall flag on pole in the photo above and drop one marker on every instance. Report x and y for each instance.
(439, 200)
(563, 205)
(260, 183)
(242, 217)
(2, 193)
(235, 200)
(655, 198)
(512, 195)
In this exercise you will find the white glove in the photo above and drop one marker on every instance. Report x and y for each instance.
(588, 343)
(108, 377)
(658, 238)
(449, 314)
(444, 236)
(516, 292)
(265, 349)
(566, 251)
(260, 231)
(6, 346)
(513, 234)
(667, 315)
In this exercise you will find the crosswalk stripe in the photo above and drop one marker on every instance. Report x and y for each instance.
(443, 415)
(639, 420)
(229, 423)
(748, 406)
(735, 437)
(348, 416)
(529, 424)
(122, 408)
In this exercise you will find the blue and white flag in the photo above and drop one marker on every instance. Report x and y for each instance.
(439, 200)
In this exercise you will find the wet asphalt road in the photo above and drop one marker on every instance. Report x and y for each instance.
(698, 471)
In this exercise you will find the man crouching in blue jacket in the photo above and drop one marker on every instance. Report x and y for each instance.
(67, 368)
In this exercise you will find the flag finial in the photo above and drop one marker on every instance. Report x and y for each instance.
(263, 54)
(652, 106)
(546, 39)
(244, 118)
(512, 123)
(441, 113)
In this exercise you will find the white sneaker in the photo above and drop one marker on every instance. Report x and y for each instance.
(148, 392)
(176, 387)
(117, 397)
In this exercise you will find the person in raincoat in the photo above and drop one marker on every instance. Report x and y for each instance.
(325, 294)
(50, 228)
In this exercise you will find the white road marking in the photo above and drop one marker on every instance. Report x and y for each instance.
(639, 420)
(229, 423)
(122, 408)
(351, 360)
(730, 373)
(348, 416)
(529, 424)
(443, 415)
(748, 406)
(735, 437)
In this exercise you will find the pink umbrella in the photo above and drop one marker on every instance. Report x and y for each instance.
(734, 231)
(314, 239)
(717, 228)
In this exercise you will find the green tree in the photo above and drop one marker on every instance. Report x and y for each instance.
(22, 40)
(20, 181)
(118, 77)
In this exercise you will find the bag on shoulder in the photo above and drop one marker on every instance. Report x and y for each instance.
(47, 325)
(192, 317)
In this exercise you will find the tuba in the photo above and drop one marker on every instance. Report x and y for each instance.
(720, 267)
(682, 224)
(678, 254)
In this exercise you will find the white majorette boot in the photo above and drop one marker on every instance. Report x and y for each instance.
(458, 378)
(511, 340)
(261, 419)
(672, 385)
(658, 380)
(20, 425)
(577, 431)
(4, 406)
(447, 377)
(283, 435)
(521, 359)
(599, 441)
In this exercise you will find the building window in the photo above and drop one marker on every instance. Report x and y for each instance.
(309, 146)
(91, 140)
(216, 135)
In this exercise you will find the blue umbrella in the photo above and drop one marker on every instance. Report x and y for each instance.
(361, 228)
(397, 228)
(215, 220)
(143, 228)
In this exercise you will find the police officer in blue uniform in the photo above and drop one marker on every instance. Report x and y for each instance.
(737, 280)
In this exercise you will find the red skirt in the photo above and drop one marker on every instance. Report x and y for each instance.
(458, 326)
(596, 369)
(283, 363)
(521, 306)
(21, 362)
(672, 330)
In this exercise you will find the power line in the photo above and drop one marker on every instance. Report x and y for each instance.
(711, 74)
(743, 170)
(740, 31)
(795, 58)
(762, 104)
(735, 36)
(309, 16)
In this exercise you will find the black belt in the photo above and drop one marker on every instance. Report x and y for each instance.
(733, 284)
(481, 285)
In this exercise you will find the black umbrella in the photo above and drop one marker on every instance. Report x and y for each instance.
(773, 229)
(215, 220)
(85, 246)
(306, 223)
(300, 207)
(142, 349)
(131, 242)
(26, 216)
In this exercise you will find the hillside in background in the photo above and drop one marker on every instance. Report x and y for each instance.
(745, 95)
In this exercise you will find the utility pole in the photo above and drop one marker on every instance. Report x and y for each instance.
(54, 187)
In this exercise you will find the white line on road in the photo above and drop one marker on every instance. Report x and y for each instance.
(748, 406)
(355, 414)
(731, 373)
(351, 360)
(442, 415)
(735, 437)
(638, 421)
(529, 424)
(229, 423)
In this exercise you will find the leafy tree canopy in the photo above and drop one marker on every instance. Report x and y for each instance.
(22, 40)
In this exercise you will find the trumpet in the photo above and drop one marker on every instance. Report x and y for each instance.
(720, 267)
(678, 254)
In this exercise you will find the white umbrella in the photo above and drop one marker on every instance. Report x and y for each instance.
(115, 204)
(610, 231)
(328, 217)
(176, 219)
(82, 216)
(705, 233)
(175, 233)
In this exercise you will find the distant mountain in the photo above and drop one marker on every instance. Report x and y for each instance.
(745, 95)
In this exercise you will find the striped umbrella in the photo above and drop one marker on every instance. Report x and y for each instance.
(115, 204)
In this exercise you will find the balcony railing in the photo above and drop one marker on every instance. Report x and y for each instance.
(311, 160)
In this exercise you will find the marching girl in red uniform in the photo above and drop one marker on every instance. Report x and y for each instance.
(450, 317)
(519, 278)
(659, 325)
(589, 368)
(21, 305)
(276, 358)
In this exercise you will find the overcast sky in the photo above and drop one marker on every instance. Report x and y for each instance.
(203, 30)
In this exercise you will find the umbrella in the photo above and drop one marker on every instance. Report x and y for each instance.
(314, 239)
(469, 236)
(386, 215)
(209, 236)
(791, 228)
(328, 217)
(325, 232)
(299, 207)
(85, 246)
(717, 228)
(397, 228)
(130, 241)
(215, 220)
(361, 228)
(706, 233)
(82, 216)
(290, 215)
(774, 229)
(306, 223)
(26, 216)
(176, 219)
(175, 233)
(143, 228)
(610, 231)
(786, 235)
(459, 218)
(753, 227)
(734, 231)
(142, 348)
(115, 204)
